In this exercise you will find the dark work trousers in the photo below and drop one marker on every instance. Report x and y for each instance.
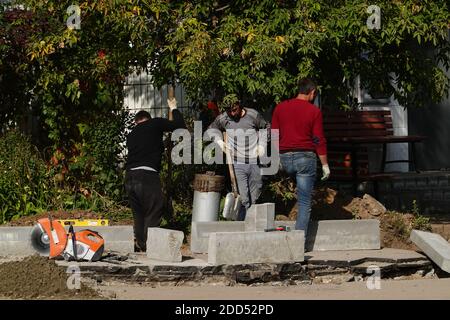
(146, 200)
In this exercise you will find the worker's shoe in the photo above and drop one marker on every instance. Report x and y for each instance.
(138, 248)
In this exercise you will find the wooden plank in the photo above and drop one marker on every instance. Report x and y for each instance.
(375, 139)
(347, 155)
(359, 112)
(356, 119)
(355, 133)
(358, 126)
(343, 161)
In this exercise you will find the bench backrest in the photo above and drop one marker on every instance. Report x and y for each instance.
(338, 124)
(357, 123)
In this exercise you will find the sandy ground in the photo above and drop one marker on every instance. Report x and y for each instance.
(436, 289)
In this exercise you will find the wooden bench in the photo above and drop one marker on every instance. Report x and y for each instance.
(348, 134)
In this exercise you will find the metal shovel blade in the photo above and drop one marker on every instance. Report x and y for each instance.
(228, 206)
(236, 207)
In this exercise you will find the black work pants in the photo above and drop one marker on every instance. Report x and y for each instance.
(146, 200)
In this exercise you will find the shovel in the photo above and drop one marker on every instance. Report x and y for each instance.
(232, 203)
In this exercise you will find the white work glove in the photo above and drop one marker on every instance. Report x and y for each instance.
(260, 150)
(325, 172)
(172, 104)
(221, 144)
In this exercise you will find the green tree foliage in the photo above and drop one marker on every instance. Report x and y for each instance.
(72, 80)
(260, 49)
(25, 182)
(256, 49)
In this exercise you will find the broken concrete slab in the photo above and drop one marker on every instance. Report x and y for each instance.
(201, 230)
(164, 244)
(255, 247)
(354, 257)
(15, 241)
(260, 217)
(434, 246)
(139, 268)
(340, 234)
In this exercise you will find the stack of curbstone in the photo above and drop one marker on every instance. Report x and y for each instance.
(258, 218)
(241, 242)
(253, 244)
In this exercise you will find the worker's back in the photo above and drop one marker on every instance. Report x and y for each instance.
(145, 141)
(300, 126)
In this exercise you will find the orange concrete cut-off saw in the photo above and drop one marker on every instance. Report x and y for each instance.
(49, 238)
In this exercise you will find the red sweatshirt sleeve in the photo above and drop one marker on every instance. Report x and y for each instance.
(318, 137)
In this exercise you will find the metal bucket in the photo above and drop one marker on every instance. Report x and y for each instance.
(207, 188)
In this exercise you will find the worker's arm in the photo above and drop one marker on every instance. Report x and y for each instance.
(320, 144)
(177, 121)
(261, 123)
(219, 124)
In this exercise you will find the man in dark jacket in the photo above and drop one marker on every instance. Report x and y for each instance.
(142, 182)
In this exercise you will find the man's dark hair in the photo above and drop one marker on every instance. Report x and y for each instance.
(142, 115)
(305, 86)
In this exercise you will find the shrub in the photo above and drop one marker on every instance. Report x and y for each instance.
(419, 222)
(25, 182)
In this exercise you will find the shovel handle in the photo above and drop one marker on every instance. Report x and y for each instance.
(230, 166)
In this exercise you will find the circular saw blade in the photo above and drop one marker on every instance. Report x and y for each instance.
(40, 241)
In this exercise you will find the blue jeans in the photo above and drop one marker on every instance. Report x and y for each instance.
(303, 166)
(249, 181)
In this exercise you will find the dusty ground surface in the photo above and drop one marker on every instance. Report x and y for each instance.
(389, 289)
(37, 277)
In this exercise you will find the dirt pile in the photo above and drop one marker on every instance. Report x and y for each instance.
(366, 207)
(37, 277)
(329, 204)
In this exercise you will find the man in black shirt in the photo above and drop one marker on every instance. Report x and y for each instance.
(142, 182)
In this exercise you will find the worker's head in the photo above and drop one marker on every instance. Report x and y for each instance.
(142, 116)
(235, 111)
(307, 89)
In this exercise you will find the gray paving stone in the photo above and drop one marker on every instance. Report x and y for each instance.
(201, 230)
(164, 244)
(255, 247)
(260, 217)
(434, 246)
(327, 235)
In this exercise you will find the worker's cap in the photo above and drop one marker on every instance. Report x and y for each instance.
(229, 101)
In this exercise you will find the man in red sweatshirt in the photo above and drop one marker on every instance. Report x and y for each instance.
(301, 138)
